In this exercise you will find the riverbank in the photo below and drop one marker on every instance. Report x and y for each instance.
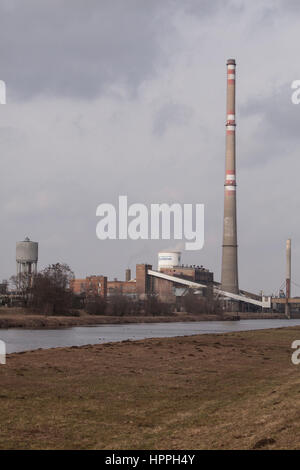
(17, 318)
(20, 318)
(229, 391)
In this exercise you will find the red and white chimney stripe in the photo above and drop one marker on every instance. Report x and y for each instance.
(231, 117)
(230, 177)
(231, 74)
(230, 189)
(230, 129)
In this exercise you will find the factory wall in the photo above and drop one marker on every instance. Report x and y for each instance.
(145, 285)
(191, 273)
(121, 288)
(91, 286)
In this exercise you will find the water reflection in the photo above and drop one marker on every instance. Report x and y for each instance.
(23, 340)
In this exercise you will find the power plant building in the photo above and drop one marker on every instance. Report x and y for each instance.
(146, 284)
(172, 279)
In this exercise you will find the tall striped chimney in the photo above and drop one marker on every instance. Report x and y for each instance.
(229, 277)
(288, 277)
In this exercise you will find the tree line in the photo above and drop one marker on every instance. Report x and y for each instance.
(49, 292)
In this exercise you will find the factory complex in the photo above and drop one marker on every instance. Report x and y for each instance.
(171, 280)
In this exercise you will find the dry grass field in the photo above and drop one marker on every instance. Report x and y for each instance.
(230, 391)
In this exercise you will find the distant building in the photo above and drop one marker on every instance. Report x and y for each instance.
(144, 284)
(122, 288)
(3, 287)
(91, 286)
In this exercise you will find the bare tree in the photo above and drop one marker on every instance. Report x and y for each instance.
(197, 304)
(3, 287)
(96, 305)
(22, 285)
(154, 306)
(50, 292)
(120, 305)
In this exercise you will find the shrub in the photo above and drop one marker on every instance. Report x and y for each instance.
(50, 293)
(154, 306)
(201, 305)
(96, 306)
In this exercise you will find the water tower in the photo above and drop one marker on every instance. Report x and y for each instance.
(26, 257)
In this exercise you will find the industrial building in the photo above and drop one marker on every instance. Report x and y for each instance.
(93, 286)
(149, 282)
(172, 280)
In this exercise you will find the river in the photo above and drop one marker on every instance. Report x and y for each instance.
(18, 340)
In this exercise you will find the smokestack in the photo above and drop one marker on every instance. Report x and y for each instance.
(127, 274)
(229, 277)
(288, 277)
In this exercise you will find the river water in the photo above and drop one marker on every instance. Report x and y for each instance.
(18, 340)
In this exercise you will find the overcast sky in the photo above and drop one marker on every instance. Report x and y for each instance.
(127, 97)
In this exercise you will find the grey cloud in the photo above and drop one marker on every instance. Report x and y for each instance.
(171, 114)
(65, 153)
(204, 8)
(77, 47)
(277, 132)
(279, 115)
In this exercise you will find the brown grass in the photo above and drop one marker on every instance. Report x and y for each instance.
(230, 391)
(22, 318)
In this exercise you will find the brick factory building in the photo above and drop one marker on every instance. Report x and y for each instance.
(169, 290)
(122, 288)
(91, 286)
(145, 284)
